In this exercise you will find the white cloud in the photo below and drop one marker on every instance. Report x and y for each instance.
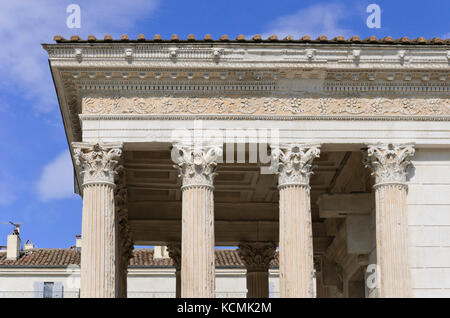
(25, 24)
(315, 20)
(56, 180)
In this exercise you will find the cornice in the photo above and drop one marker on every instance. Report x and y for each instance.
(240, 55)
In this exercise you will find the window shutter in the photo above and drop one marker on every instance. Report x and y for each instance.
(58, 290)
(38, 289)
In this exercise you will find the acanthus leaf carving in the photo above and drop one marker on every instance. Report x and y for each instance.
(257, 256)
(98, 162)
(197, 165)
(174, 249)
(389, 162)
(293, 163)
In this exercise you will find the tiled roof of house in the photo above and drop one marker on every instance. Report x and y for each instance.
(38, 257)
(255, 39)
(43, 257)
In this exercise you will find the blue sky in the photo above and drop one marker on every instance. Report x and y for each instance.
(36, 174)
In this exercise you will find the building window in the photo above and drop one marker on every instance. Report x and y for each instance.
(48, 290)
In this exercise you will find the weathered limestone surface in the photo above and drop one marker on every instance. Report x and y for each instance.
(197, 171)
(293, 163)
(99, 255)
(388, 163)
(257, 257)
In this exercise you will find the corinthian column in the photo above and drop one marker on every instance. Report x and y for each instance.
(293, 164)
(98, 166)
(388, 163)
(174, 250)
(257, 257)
(197, 171)
(125, 244)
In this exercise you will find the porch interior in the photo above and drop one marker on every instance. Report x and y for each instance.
(246, 205)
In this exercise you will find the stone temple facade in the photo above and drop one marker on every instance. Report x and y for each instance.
(335, 151)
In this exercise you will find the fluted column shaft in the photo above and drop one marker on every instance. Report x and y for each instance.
(99, 269)
(257, 284)
(293, 163)
(197, 166)
(296, 254)
(257, 257)
(197, 257)
(122, 275)
(99, 254)
(389, 163)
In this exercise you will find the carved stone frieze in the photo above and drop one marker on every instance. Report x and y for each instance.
(389, 162)
(304, 105)
(197, 165)
(98, 162)
(293, 163)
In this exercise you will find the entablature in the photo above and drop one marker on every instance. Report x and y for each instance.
(305, 80)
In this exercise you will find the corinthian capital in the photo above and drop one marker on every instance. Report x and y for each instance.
(98, 162)
(257, 256)
(388, 162)
(293, 163)
(174, 249)
(197, 166)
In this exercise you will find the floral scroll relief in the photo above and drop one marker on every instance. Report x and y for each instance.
(268, 105)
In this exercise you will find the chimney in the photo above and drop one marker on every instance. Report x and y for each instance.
(78, 241)
(28, 245)
(160, 252)
(13, 247)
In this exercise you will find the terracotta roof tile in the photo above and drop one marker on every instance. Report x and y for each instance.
(75, 38)
(305, 38)
(141, 257)
(339, 38)
(257, 38)
(355, 38)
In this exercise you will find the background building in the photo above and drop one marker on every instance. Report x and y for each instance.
(55, 273)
